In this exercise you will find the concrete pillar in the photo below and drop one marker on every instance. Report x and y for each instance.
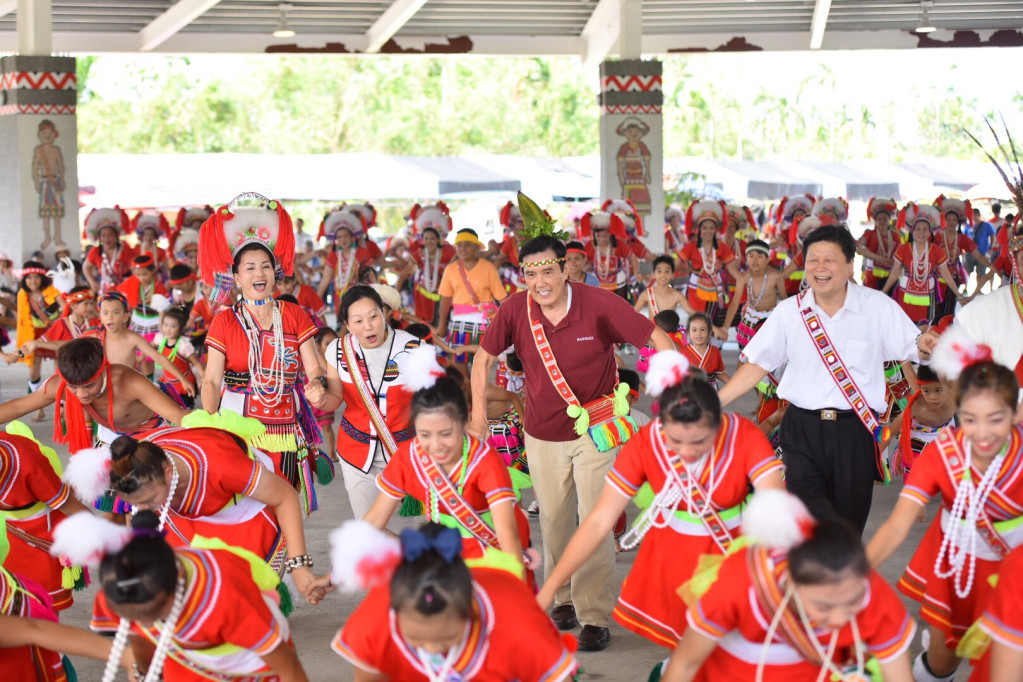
(39, 166)
(632, 140)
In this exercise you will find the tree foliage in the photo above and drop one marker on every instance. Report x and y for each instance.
(530, 106)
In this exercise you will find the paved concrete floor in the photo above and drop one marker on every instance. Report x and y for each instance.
(628, 657)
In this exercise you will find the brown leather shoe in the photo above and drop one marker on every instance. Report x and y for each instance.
(593, 638)
(564, 617)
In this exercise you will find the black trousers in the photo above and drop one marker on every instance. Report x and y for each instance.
(829, 460)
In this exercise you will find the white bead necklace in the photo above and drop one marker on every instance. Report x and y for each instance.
(269, 383)
(431, 278)
(165, 508)
(960, 541)
(920, 265)
(345, 269)
(166, 627)
(710, 259)
(755, 302)
(658, 514)
(603, 265)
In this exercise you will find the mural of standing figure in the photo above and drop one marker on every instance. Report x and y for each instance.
(48, 175)
(634, 164)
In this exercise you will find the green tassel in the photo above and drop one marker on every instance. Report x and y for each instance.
(70, 576)
(324, 470)
(621, 400)
(106, 503)
(81, 580)
(69, 670)
(287, 606)
(582, 419)
(655, 673)
(410, 506)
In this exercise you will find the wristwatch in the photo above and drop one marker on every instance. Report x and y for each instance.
(323, 381)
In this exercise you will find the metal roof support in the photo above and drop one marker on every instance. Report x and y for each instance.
(35, 28)
(177, 16)
(818, 23)
(390, 22)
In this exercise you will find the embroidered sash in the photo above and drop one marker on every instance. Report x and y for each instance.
(843, 379)
(437, 480)
(710, 517)
(955, 465)
(607, 418)
(468, 285)
(770, 594)
(366, 396)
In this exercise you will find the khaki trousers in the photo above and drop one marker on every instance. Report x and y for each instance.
(362, 493)
(568, 477)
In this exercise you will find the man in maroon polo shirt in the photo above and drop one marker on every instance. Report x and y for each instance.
(582, 324)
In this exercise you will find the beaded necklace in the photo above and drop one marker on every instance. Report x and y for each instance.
(431, 277)
(709, 258)
(269, 382)
(920, 269)
(755, 302)
(433, 500)
(603, 265)
(345, 269)
(960, 541)
(166, 627)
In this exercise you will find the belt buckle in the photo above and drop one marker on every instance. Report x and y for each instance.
(829, 415)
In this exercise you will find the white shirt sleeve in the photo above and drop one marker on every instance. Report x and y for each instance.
(899, 334)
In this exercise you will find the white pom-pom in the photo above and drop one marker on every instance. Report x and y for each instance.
(85, 539)
(667, 368)
(955, 351)
(362, 557)
(159, 302)
(419, 367)
(777, 519)
(88, 473)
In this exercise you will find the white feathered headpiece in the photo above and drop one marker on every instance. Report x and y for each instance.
(420, 368)
(667, 368)
(85, 539)
(63, 275)
(88, 473)
(362, 557)
(777, 519)
(956, 351)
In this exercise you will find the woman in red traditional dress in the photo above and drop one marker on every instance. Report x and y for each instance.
(977, 470)
(431, 257)
(918, 264)
(610, 258)
(877, 246)
(708, 258)
(109, 261)
(429, 617)
(33, 501)
(801, 605)
(954, 214)
(690, 471)
(342, 228)
(259, 347)
(189, 614)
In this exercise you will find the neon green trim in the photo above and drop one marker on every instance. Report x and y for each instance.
(645, 497)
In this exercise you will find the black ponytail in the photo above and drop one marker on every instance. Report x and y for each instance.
(144, 570)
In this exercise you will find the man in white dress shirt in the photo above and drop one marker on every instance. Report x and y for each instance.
(827, 449)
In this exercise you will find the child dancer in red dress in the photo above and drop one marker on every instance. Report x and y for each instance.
(690, 470)
(429, 617)
(977, 469)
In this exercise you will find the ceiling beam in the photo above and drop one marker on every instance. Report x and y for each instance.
(177, 16)
(7, 6)
(821, 9)
(390, 22)
(600, 34)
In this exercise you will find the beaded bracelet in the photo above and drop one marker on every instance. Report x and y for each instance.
(298, 562)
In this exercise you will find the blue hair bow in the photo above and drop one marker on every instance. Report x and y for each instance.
(447, 543)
